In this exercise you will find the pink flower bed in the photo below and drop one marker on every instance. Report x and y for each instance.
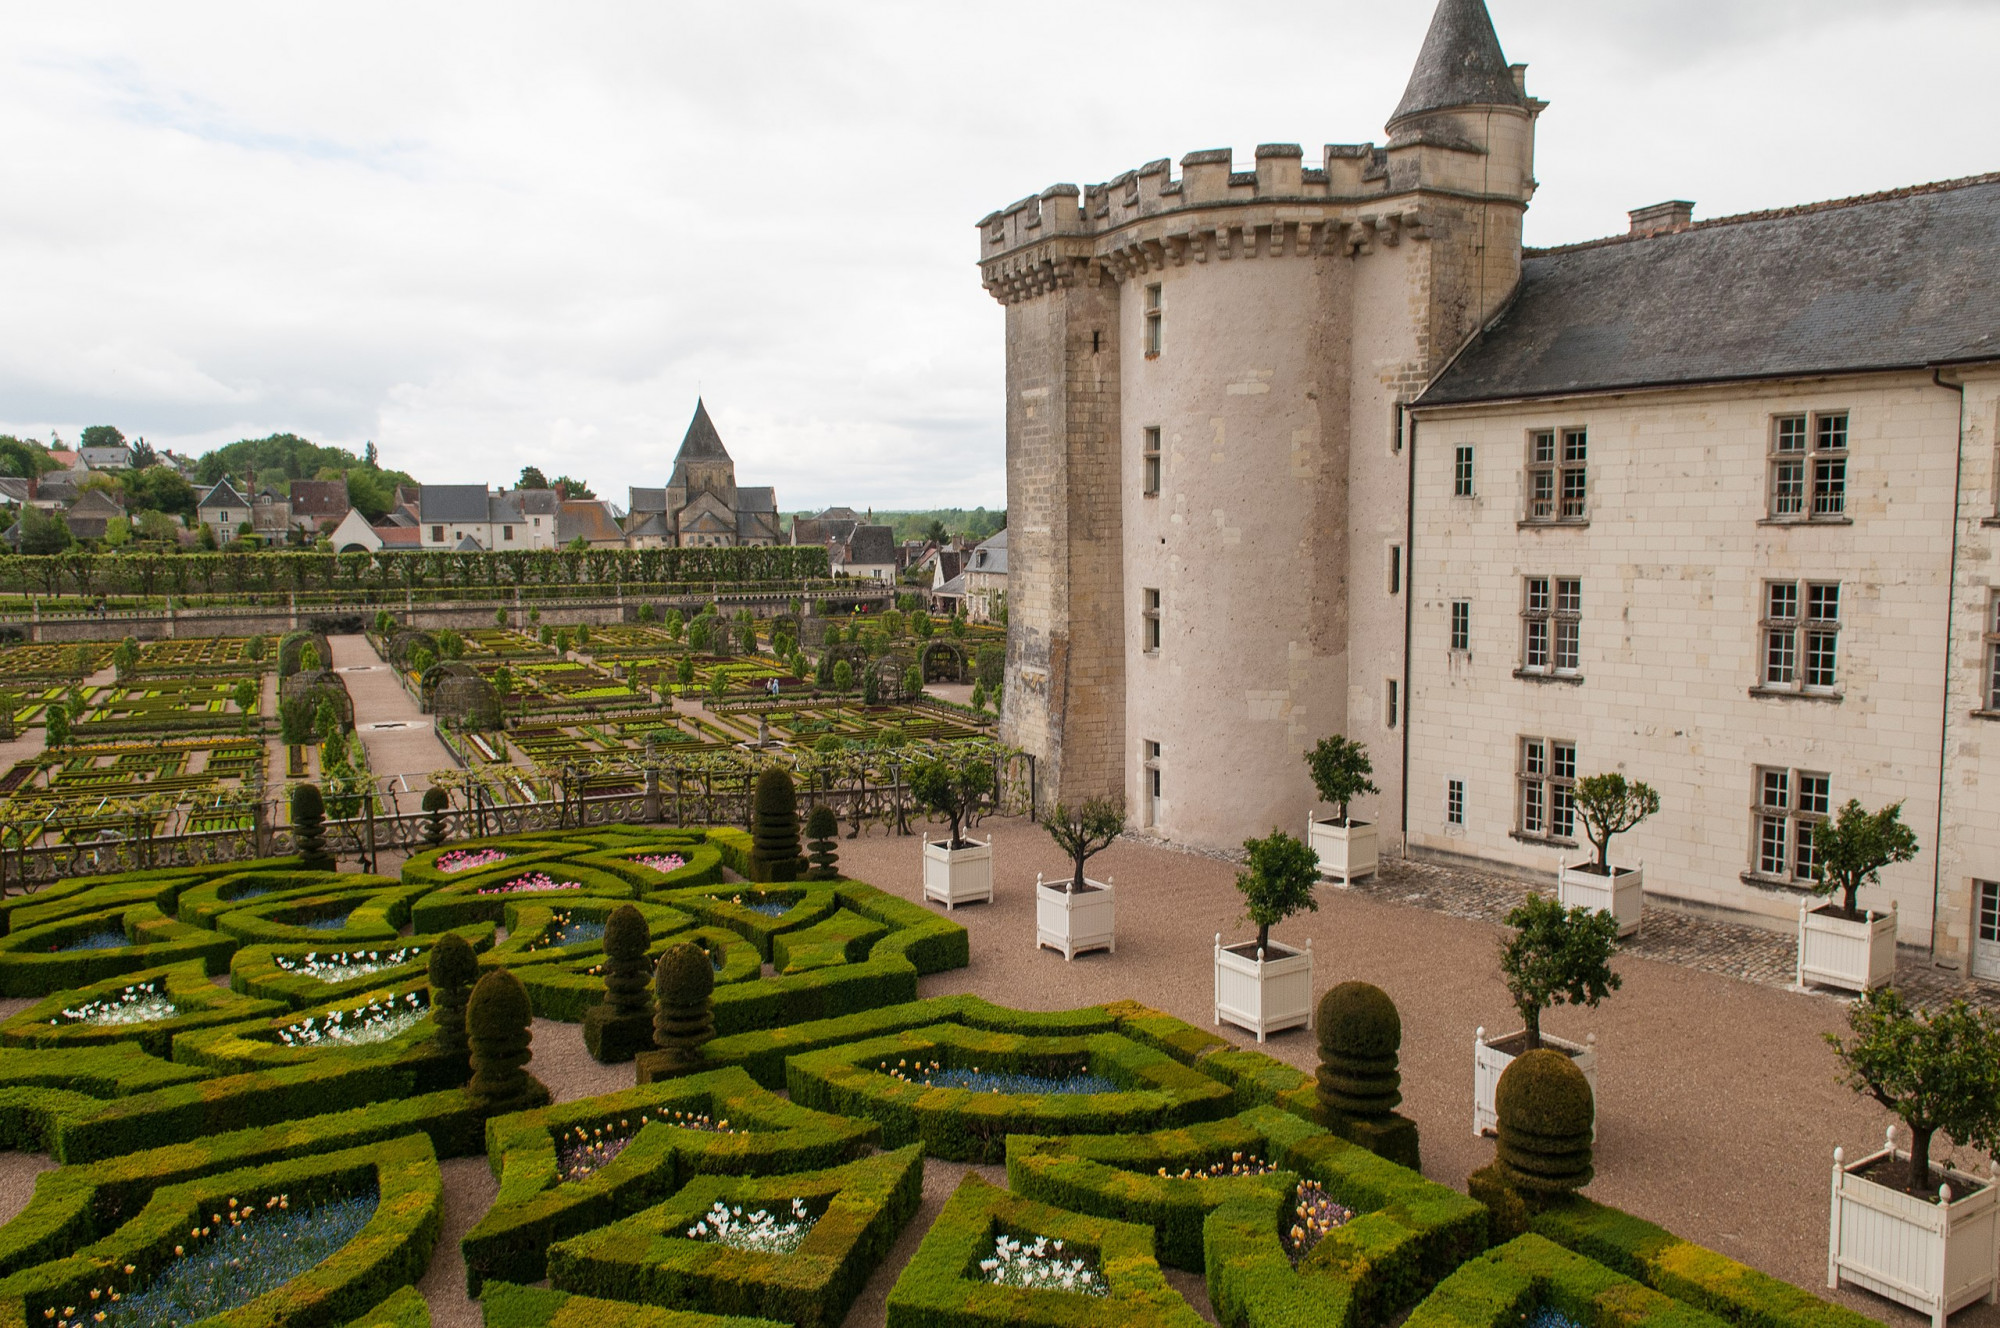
(465, 859)
(533, 881)
(661, 862)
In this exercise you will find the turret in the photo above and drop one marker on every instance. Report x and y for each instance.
(1466, 120)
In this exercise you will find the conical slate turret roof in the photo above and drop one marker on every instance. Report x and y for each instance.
(702, 440)
(1461, 64)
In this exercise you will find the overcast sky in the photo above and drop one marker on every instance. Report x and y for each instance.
(491, 235)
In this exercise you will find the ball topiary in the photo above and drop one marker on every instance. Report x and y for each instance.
(621, 1025)
(1547, 1117)
(683, 989)
(436, 803)
(822, 837)
(1360, 1034)
(497, 1024)
(774, 829)
(453, 970)
(309, 828)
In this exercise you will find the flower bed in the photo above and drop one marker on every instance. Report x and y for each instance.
(346, 965)
(138, 1003)
(1043, 1264)
(150, 1007)
(107, 938)
(532, 883)
(660, 862)
(760, 1229)
(454, 861)
(935, 1074)
(1314, 1217)
(566, 929)
(365, 1025)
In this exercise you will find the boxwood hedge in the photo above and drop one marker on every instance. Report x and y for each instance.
(506, 1305)
(1506, 1285)
(289, 972)
(197, 1003)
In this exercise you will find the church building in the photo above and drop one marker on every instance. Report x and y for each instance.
(1320, 447)
(702, 506)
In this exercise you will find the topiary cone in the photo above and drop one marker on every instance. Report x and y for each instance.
(683, 991)
(774, 829)
(1546, 1119)
(309, 828)
(453, 970)
(436, 803)
(1360, 1034)
(497, 1021)
(823, 838)
(621, 1025)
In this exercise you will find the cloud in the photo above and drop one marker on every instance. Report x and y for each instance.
(534, 237)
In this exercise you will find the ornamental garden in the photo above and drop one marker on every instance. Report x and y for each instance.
(249, 1074)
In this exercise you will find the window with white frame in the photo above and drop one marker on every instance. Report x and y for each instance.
(1454, 802)
(1461, 624)
(1461, 472)
(1152, 622)
(1155, 309)
(1791, 806)
(1801, 635)
(1551, 625)
(1547, 779)
(1150, 462)
(1993, 652)
(1808, 466)
(1558, 477)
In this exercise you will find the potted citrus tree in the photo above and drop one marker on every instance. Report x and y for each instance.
(1262, 985)
(1556, 956)
(1076, 913)
(1841, 944)
(957, 870)
(1919, 1232)
(1609, 805)
(1346, 847)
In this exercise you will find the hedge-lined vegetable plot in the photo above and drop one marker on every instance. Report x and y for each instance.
(267, 1152)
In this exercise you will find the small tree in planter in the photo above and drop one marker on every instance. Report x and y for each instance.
(1839, 944)
(1084, 831)
(1258, 986)
(1609, 805)
(1346, 848)
(1077, 914)
(1920, 1233)
(1557, 956)
(1938, 1071)
(951, 785)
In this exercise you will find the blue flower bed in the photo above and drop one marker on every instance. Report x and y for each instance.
(1549, 1317)
(334, 923)
(770, 908)
(111, 938)
(989, 1082)
(240, 1262)
(577, 931)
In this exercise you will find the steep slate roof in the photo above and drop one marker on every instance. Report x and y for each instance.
(590, 518)
(1899, 280)
(467, 544)
(400, 537)
(535, 502)
(872, 545)
(223, 495)
(1460, 64)
(13, 489)
(653, 525)
(990, 558)
(645, 500)
(451, 502)
(761, 498)
(809, 530)
(701, 439)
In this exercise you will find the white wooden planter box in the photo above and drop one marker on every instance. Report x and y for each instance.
(955, 876)
(1346, 852)
(1932, 1257)
(1855, 956)
(1489, 1062)
(1073, 923)
(1621, 894)
(1264, 992)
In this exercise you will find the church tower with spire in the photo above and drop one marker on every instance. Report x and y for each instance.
(1206, 375)
(701, 505)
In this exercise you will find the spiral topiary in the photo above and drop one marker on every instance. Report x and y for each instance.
(436, 803)
(497, 1023)
(1547, 1117)
(1359, 1036)
(453, 970)
(621, 1025)
(309, 828)
(823, 838)
(774, 829)
(683, 990)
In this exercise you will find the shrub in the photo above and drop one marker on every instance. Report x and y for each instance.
(453, 969)
(1939, 1070)
(1278, 883)
(1610, 806)
(1340, 771)
(1557, 957)
(951, 784)
(684, 994)
(309, 828)
(1085, 831)
(436, 803)
(774, 855)
(1546, 1118)
(497, 1021)
(1851, 850)
(1360, 1034)
(822, 832)
(621, 1026)
(843, 676)
(55, 721)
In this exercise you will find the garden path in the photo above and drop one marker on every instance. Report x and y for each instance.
(412, 751)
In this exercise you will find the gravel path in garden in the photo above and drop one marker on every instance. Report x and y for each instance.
(412, 750)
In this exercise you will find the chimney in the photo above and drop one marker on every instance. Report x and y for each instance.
(1673, 215)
